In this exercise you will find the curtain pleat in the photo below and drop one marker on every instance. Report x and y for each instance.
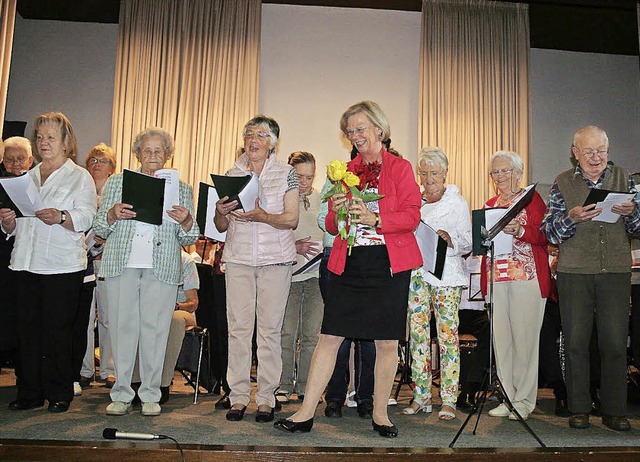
(7, 25)
(192, 68)
(474, 71)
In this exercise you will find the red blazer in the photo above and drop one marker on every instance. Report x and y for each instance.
(399, 214)
(532, 234)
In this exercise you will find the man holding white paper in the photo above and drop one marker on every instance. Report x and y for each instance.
(593, 275)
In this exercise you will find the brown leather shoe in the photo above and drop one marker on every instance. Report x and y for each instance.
(580, 420)
(619, 424)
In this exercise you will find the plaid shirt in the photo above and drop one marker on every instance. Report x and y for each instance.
(558, 226)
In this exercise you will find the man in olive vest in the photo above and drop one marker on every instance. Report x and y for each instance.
(594, 275)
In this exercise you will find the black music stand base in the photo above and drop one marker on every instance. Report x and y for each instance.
(479, 406)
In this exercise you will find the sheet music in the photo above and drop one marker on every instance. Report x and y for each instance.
(24, 194)
(210, 229)
(250, 193)
(614, 198)
(503, 242)
(428, 242)
(171, 191)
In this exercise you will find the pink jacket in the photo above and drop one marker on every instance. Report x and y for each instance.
(399, 214)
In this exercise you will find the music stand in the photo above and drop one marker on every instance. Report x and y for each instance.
(487, 237)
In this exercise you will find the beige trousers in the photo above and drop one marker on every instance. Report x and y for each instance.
(256, 296)
(517, 319)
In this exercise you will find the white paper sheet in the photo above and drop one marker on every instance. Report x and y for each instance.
(210, 229)
(24, 194)
(503, 242)
(250, 193)
(171, 191)
(607, 216)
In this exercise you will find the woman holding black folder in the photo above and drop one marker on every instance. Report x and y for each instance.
(259, 253)
(447, 212)
(141, 267)
(521, 286)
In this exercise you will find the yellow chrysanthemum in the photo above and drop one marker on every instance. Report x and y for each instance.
(336, 170)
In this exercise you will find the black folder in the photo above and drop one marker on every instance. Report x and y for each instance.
(146, 194)
(230, 186)
(598, 195)
(201, 211)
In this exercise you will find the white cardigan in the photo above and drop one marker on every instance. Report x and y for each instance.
(451, 214)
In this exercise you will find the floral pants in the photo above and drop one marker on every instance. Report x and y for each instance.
(445, 302)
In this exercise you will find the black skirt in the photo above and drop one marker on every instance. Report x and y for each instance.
(367, 301)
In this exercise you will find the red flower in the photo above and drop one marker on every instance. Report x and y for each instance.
(369, 175)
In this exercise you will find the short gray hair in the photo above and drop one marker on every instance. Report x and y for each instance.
(269, 125)
(167, 140)
(19, 142)
(432, 155)
(513, 157)
(591, 129)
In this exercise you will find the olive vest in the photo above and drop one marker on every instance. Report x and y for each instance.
(596, 247)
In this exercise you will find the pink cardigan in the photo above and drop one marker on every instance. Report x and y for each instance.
(532, 235)
(399, 214)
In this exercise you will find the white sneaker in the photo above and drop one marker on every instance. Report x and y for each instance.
(350, 401)
(500, 411)
(118, 408)
(523, 413)
(77, 389)
(151, 409)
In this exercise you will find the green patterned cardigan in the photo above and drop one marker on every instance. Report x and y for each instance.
(167, 237)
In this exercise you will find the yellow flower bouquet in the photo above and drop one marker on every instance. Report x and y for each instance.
(346, 182)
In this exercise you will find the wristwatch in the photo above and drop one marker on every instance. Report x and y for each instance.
(63, 217)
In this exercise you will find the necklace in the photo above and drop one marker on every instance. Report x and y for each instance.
(506, 199)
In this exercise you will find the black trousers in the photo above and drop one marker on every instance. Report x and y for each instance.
(80, 327)
(48, 307)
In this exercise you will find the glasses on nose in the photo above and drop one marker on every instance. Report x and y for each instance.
(95, 160)
(259, 135)
(152, 152)
(14, 161)
(355, 131)
(431, 173)
(589, 153)
(504, 171)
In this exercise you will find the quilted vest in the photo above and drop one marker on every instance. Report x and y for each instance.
(259, 244)
(596, 247)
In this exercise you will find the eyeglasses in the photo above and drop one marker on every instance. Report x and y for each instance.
(153, 152)
(589, 153)
(16, 161)
(352, 131)
(260, 135)
(95, 160)
(433, 173)
(504, 171)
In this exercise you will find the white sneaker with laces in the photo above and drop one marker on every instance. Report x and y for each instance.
(118, 408)
(151, 409)
(77, 389)
(500, 411)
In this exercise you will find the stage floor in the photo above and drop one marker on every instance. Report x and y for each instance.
(200, 424)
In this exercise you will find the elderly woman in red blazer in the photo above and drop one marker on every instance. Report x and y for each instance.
(368, 287)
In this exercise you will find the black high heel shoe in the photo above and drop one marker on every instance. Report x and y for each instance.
(388, 431)
(290, 426)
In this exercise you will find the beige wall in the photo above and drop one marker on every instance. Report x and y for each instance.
(317, 61)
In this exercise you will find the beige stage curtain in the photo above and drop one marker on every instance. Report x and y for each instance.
(7, 23)
(192, 68)
(474, 71)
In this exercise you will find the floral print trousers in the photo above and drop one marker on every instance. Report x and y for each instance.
(445, 302)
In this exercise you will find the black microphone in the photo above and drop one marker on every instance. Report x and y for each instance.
(113, 434)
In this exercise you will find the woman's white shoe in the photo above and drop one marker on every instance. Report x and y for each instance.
(412, 410)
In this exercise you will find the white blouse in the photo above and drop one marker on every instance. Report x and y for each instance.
(53, 249)
(451, 214)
